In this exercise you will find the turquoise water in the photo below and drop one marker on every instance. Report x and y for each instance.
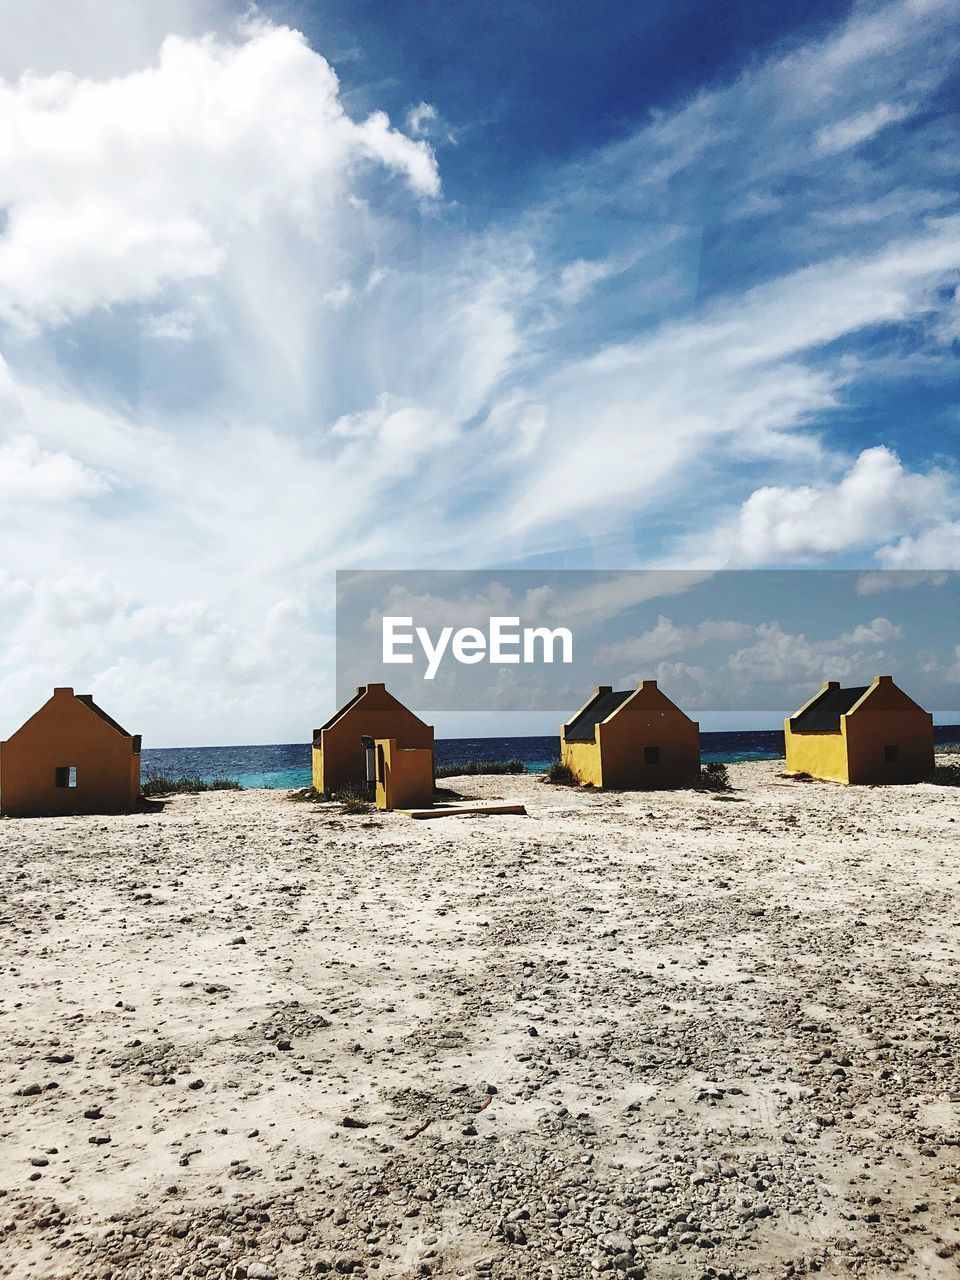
(287, 766)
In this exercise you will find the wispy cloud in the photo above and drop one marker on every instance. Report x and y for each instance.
(860, 127)
(248, 341)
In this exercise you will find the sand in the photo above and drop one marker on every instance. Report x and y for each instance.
(672, 1035)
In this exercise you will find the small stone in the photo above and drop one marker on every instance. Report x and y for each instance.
(617, 1242)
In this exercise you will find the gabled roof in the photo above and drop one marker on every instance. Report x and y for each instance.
(60, 695)
(362, 691)
(87, 700)
(584, 727)
(823, 714)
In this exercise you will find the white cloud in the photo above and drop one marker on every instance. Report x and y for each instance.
(938, 546)
(776, 656)
(31, 474)
(579, 277)
(778, 667)
(77, 599)
(14, 592)
(98, 38)
(873, 583)
(666, 638)
(177, 325)
(879, 631)
(420, 117)
(860, 127)
(876, 497)
(115, 189)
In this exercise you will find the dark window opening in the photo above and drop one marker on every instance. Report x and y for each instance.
(651, 755)
(891, 754)
(381, 765)
(67, 775)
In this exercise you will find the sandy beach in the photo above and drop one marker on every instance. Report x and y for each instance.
(664, 1035)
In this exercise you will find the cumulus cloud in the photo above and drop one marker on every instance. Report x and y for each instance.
(116, 188)
(31, 474)
(776, 667)
(776, 656)
(938, 546)
(878, 631)
(875, 497)
(666, 638)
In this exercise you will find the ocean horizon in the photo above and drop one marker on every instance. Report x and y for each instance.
(286, 766)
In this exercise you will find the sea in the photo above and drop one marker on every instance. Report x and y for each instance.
(287, 766)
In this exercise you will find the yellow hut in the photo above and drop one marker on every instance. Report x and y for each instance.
(868, 733)
(69, 757)
(404, 775)
(339, 756)
(632, 740)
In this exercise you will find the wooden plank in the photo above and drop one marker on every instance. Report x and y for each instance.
(440, 812)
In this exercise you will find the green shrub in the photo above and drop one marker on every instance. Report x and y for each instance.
(946, 775)
(714, 777)
(479, 767)
(561, 775)
(160, 785)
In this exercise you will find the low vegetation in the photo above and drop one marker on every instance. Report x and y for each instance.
(714, 777)
(354, 797)
(160, 785)
(479, 767)
(561, 775)
(946, 775)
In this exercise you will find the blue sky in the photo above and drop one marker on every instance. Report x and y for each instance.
(327, 285)
(532, 85)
